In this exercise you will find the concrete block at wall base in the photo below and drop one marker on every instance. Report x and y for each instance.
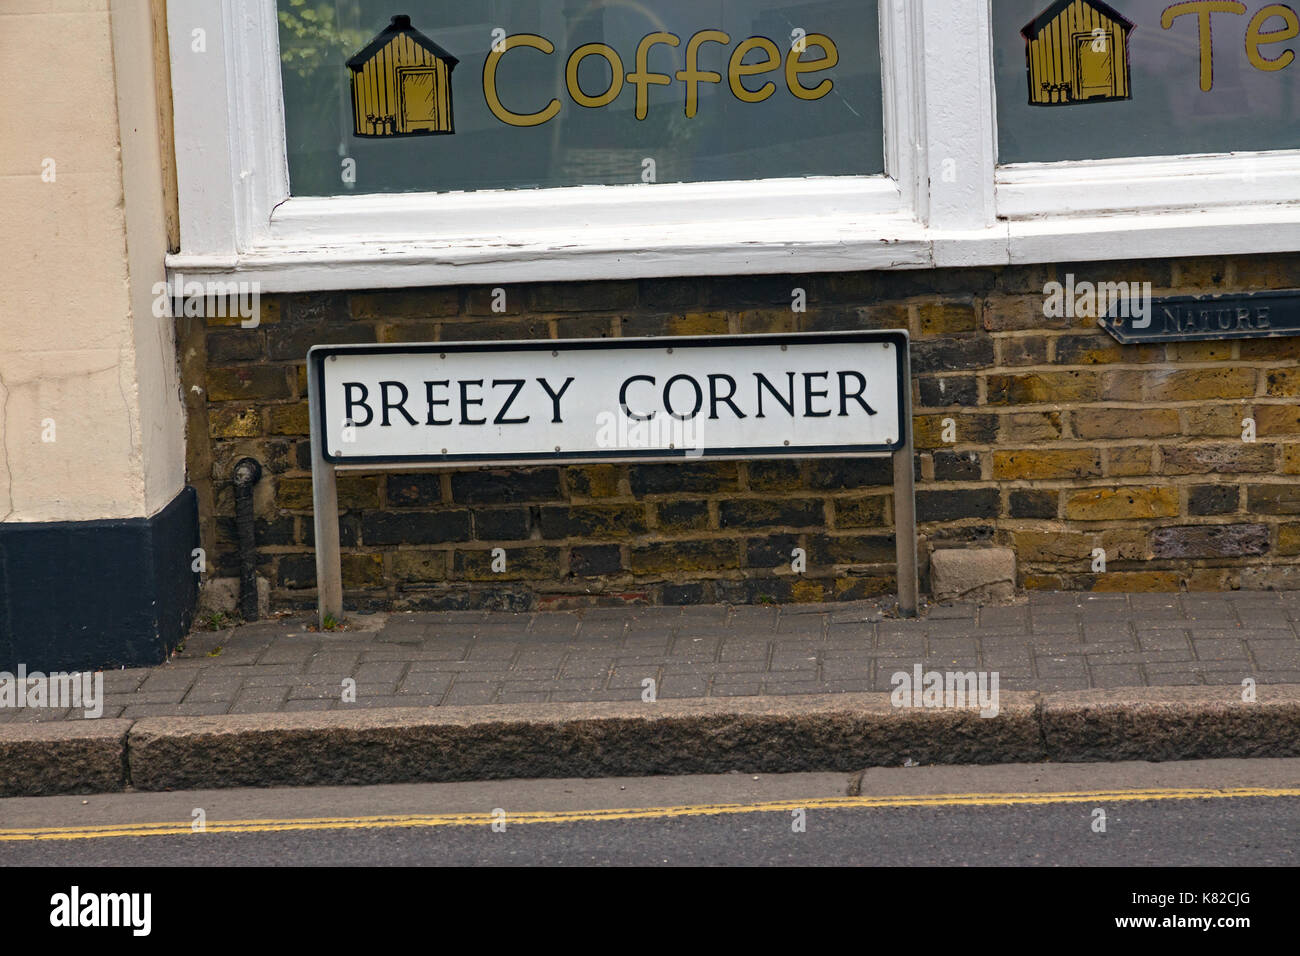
(222, 595)
(973, 574)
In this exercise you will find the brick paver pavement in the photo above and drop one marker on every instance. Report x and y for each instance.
(1052, 641)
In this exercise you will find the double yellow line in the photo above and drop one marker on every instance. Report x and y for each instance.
(517, 818)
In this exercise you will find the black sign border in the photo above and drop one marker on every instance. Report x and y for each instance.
(317, 355)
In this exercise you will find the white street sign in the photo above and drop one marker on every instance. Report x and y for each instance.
(831, 394)
(461, 404)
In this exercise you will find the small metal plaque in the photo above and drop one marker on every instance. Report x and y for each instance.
(1191, 318)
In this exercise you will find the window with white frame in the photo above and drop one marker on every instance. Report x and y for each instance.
(349, 143)
(1159, 79)
(1165, 104)
(451, 96)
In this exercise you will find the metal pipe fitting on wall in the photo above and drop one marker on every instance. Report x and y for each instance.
(247, 473)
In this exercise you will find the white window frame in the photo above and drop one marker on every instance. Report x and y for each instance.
(1148, 207)
(943, 201)
(238, 219)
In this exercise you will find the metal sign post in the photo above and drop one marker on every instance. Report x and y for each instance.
(638, 400)
(904, 500)
(325, 513)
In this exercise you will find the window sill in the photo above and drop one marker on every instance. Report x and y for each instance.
(1108, 186)
(833, 243)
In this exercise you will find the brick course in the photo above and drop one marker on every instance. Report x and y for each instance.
(1036, 433)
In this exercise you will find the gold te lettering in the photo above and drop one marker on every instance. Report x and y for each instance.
(1256, 36)
(1203, 9)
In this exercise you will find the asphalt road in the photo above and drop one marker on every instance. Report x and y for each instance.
(1204, 813)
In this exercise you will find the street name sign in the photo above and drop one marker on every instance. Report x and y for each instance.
(602, 399)
(465, 404)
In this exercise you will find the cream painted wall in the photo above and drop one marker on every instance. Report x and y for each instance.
(83, 360)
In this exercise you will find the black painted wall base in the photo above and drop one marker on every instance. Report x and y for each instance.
(81, 595)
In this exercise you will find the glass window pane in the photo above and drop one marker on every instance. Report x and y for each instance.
(1078, 79)
(441, 95)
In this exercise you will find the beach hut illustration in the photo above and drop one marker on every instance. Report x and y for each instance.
(401, 84)
(1076, 51)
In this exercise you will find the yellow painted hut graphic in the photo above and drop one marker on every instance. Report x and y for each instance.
(401, 84)
(1077, 52)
